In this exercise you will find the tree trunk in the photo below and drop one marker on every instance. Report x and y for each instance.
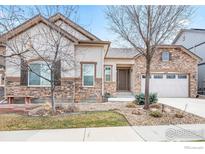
(146, 106)
(53, 100)
(52, 93)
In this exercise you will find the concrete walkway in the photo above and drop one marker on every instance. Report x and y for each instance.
(193, 105)
(128, 133)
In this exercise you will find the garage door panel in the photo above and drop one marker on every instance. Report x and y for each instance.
(167, 87)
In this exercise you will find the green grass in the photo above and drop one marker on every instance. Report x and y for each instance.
(87, 119)
(198, 141)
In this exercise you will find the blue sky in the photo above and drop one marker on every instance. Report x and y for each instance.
(93, 19)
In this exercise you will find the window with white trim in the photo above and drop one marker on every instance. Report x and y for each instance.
(165, 56)
(108, 73)
(37, 72)
(88, 74)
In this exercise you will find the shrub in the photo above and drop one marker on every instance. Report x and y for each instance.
(156, 114)
(153, 98)
(140, 98)
(131, 105)
(107, 95)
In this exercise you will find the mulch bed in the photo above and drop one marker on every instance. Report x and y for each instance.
(145, 119)
(166, 119)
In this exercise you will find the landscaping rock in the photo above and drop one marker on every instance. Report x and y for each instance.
(137, 112)
(153, 109)
(167, 110)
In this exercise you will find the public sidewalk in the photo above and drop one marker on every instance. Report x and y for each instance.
(128, 133)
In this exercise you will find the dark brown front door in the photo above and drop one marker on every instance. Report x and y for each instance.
(123, 79)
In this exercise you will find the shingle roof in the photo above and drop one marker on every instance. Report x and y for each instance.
(121, 53)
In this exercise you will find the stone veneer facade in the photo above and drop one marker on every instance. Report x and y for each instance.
(69, 91)
(180, 62)
(88, 94)
(110, 87)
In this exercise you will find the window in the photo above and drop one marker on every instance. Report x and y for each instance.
(165, 56)
(144, 76)
(158, 76)
(171, 76)
(88, 74)
(182, 76)
(108, 73)
(39, 69)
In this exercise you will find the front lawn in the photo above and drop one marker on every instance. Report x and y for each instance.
(86, 119)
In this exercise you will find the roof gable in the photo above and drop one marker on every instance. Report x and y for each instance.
(32, 22)
(193, 55)
(187, 30)
(75, 26)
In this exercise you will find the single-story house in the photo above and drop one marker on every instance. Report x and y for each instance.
(99, 69)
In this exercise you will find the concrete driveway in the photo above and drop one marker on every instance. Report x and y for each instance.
(192, 105)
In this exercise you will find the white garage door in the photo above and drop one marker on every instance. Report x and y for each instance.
(167, 85)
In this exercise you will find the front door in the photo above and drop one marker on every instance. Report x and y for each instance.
(123, 78)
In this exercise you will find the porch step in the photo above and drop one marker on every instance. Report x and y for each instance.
(114, 99)
(122, 97)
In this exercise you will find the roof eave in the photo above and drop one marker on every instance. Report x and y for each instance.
(36, 19)
(80, 29)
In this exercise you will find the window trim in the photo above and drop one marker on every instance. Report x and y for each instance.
(166, 51)
(36, 62)
(81, 71)
(111, 67)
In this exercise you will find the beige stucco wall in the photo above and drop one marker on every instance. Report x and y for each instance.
(70, 30)
(118, 62)
(79, 53)
(39, 36)
(89, 54)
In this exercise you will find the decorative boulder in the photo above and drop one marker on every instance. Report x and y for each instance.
(137, 112)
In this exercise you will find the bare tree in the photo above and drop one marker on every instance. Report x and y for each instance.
(145, 27)
(47, 43)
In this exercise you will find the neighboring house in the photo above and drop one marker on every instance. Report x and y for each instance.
(194, 40)
(100, 69)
